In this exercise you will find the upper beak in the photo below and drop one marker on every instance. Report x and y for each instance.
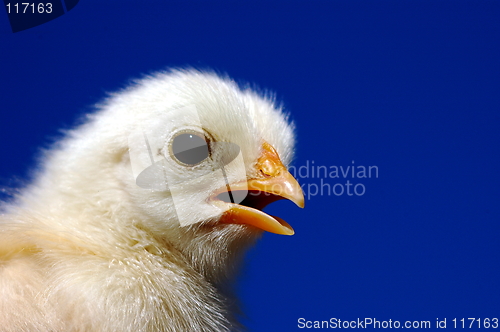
(273, 182)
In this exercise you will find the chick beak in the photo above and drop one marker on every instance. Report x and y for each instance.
(272, 183)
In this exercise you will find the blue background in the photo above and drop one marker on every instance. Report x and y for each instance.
(409, 86)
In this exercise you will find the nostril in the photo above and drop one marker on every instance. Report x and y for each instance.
(264, 174)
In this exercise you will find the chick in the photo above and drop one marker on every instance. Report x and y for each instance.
(137, 219)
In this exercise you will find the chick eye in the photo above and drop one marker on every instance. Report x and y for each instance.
(190, 148)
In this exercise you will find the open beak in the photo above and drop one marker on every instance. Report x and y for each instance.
(273, 183)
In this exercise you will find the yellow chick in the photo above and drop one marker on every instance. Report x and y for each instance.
(138, 217)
